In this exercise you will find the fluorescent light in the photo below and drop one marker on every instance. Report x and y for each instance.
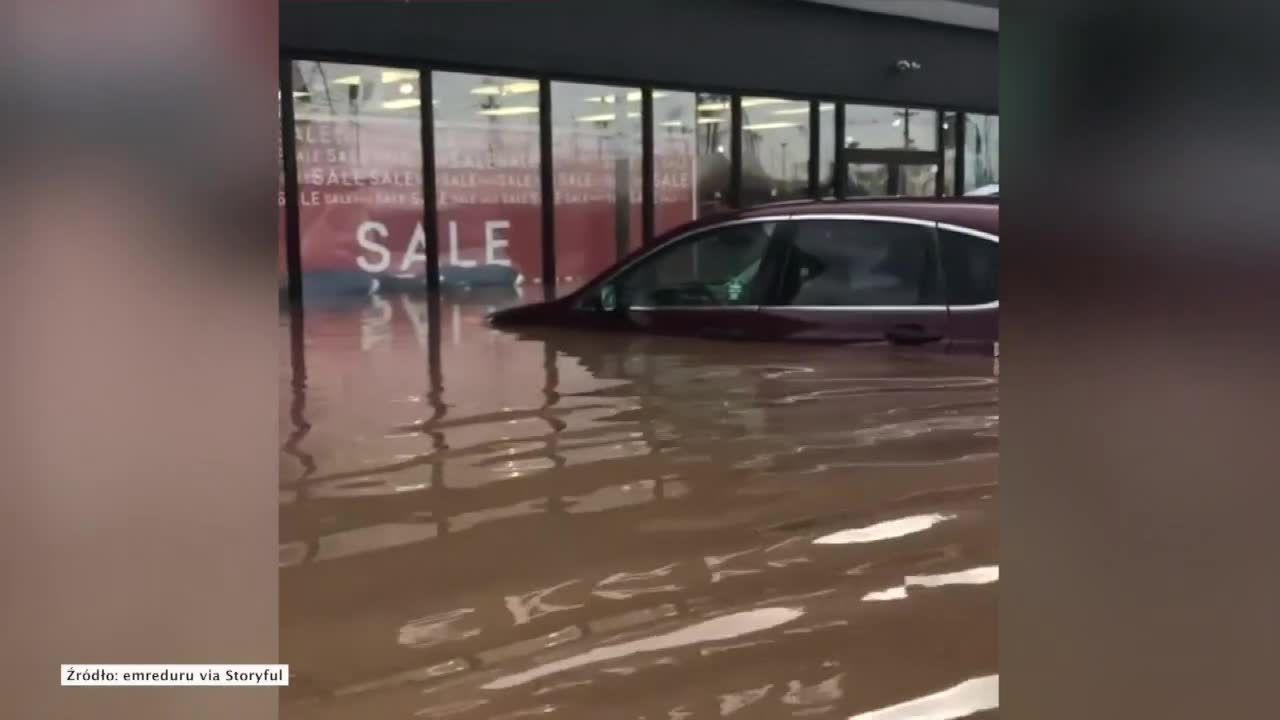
(401, 103)
(605, 117)
(347, 80)
(633, 114)
(513, 110)
(792, 111)
(753, 102)
(298, 93)
(633, 96)
(709, 120)
(514, 88)
(897, 122)
(714, 106)
(392, 76)
(770, 126)
(406, 89)
(673, 123)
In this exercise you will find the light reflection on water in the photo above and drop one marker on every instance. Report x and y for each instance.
(514, 523)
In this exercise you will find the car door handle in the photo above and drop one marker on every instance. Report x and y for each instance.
(910, 333)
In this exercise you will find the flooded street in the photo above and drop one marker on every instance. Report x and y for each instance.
(476, 524)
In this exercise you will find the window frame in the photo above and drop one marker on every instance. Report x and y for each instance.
(932, 247)
(766, 270)
(983, 235)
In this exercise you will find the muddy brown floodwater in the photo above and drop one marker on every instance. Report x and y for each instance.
(476, 524)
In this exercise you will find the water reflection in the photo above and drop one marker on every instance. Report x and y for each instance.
(968, 698)
(728, 626)
(590, 523)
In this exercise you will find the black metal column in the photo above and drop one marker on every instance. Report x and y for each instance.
(961, 121)
(735, 151)
(815, 149)
(548, 180)
(940, 178)
(648, 191)
(430, 210)
(292, 233)
(841, 170)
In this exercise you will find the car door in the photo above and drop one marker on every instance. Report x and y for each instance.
(707, 284)
(858, 279)
(971, 275)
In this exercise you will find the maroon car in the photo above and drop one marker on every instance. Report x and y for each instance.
(906, 271)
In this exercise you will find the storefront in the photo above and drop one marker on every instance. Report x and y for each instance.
(418, 138)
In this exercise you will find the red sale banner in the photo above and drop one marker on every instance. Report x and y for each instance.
(360, 198)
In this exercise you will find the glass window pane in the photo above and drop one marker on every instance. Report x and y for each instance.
(716, 268)
(868, 179)
(488, 183)
(873, 127)
(851, 263)
(971, 266)
(358, 138)
(597, 150)
(826, 149)
(713, 132)
(775, 149)
(675, 158)
(981, 151)
(917, 180)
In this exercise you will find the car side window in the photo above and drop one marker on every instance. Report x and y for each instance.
(859, 263)
(971, 267)
(719, 267)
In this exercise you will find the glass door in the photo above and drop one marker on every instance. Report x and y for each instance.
(891, 172)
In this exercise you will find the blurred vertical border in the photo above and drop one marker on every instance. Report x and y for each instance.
(140, 328)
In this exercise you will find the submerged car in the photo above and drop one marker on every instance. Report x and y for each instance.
(905, 271)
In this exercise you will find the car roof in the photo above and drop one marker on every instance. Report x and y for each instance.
(981, 214)
(978, 213)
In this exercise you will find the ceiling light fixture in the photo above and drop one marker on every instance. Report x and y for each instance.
(347, 80)
(512, 88)
(605, 117)
(406, 89)
(754, 102)
(394, 76)
(770, 126)
(401, 103)
(513, 110)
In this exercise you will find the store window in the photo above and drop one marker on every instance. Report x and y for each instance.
(891, 151)
(676, 158)
(358, 142)
(981, 151)
(872, 127)
(714, 131)
(775, 149)
(597, 152)
(488, 183)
